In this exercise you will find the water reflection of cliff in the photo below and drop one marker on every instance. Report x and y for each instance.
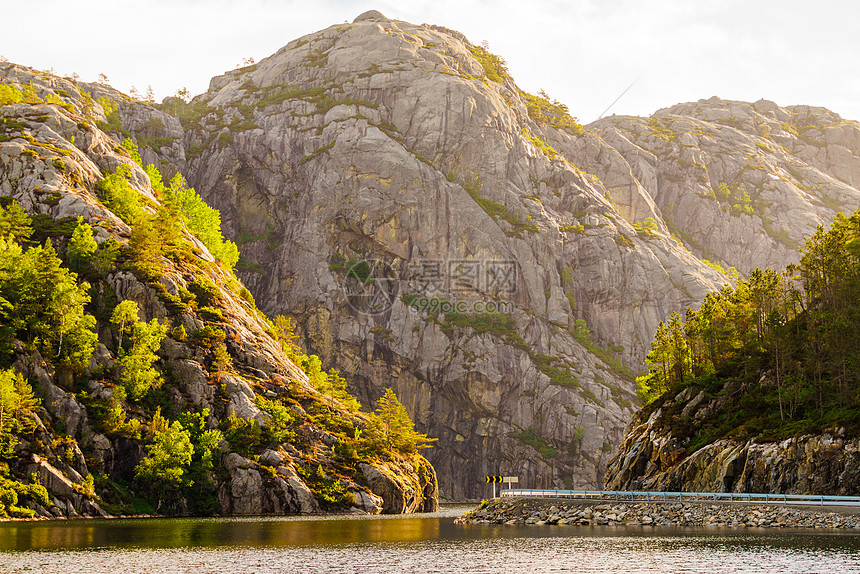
(205, 533)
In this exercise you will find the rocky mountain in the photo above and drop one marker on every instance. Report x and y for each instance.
(433, 228)
(740, 184)
(111, 432)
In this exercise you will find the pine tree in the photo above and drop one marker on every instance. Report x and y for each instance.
(16, 404)
(145, 246)
(15, 223)
(397, 429)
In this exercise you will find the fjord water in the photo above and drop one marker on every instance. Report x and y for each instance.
(426, 544)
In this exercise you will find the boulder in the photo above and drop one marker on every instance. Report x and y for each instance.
(242, 398)
(53, 479)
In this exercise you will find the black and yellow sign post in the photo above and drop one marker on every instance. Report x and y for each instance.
(496, 479)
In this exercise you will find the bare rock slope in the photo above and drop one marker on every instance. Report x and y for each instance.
(385, 181)
(740, 184)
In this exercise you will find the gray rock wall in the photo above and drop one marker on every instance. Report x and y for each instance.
(381, 140)
(652, 457)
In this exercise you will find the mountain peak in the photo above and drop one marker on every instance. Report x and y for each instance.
(370, 15)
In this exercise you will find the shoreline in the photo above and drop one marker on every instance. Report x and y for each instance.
(183, 516)
(580, 512)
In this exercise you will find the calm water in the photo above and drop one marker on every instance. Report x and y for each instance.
(426, 544)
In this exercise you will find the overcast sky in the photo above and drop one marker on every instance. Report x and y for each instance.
(584, 53)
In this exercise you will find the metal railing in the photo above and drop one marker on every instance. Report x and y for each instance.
(648, 496)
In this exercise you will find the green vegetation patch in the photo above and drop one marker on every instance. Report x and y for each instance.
(495, 67)
(472, 184)
(544, 147)
(531, 437)
(544, 110)
(646, 227)
(557, 376)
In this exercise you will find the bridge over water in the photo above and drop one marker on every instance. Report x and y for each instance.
(704, 497)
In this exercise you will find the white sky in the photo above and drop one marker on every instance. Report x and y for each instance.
(582, 52)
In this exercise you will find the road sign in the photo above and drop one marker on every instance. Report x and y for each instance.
(496, 479)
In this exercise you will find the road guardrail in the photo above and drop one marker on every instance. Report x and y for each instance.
(649, 496)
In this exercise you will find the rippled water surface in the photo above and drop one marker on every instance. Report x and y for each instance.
(426, 544)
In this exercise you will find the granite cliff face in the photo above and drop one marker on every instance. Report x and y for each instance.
(378, 174)
(383, 141)
(740, 184)
(52, 158)
(653, 456)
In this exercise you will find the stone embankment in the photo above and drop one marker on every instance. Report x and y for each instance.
(602, 513)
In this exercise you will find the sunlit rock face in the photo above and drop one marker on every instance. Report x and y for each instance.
(375, 176)
(653, 456)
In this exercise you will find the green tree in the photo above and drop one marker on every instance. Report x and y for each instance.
(165, 467)
(312, 366)
(82, 245)
(784, 346)
(284, 329)
(104, 258)
(115, 421)
(396, 429)
(155, 179)
(62, 320)
(42, 302)
(206, 442)
(120, 197)
(137, 374)
(16, 405)
(11, 491)
(145, 245)
(202, 220)
(12, 320)
(679, 350)
(15, 223)
(658, 360)
(124, 316)
(244, 435)
(168, 225)
(132, 150)
(9, 94)
(281, 419)
(222, 362)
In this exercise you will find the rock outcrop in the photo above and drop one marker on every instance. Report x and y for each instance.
(378, 174)
(53, 154)
(653, 456)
